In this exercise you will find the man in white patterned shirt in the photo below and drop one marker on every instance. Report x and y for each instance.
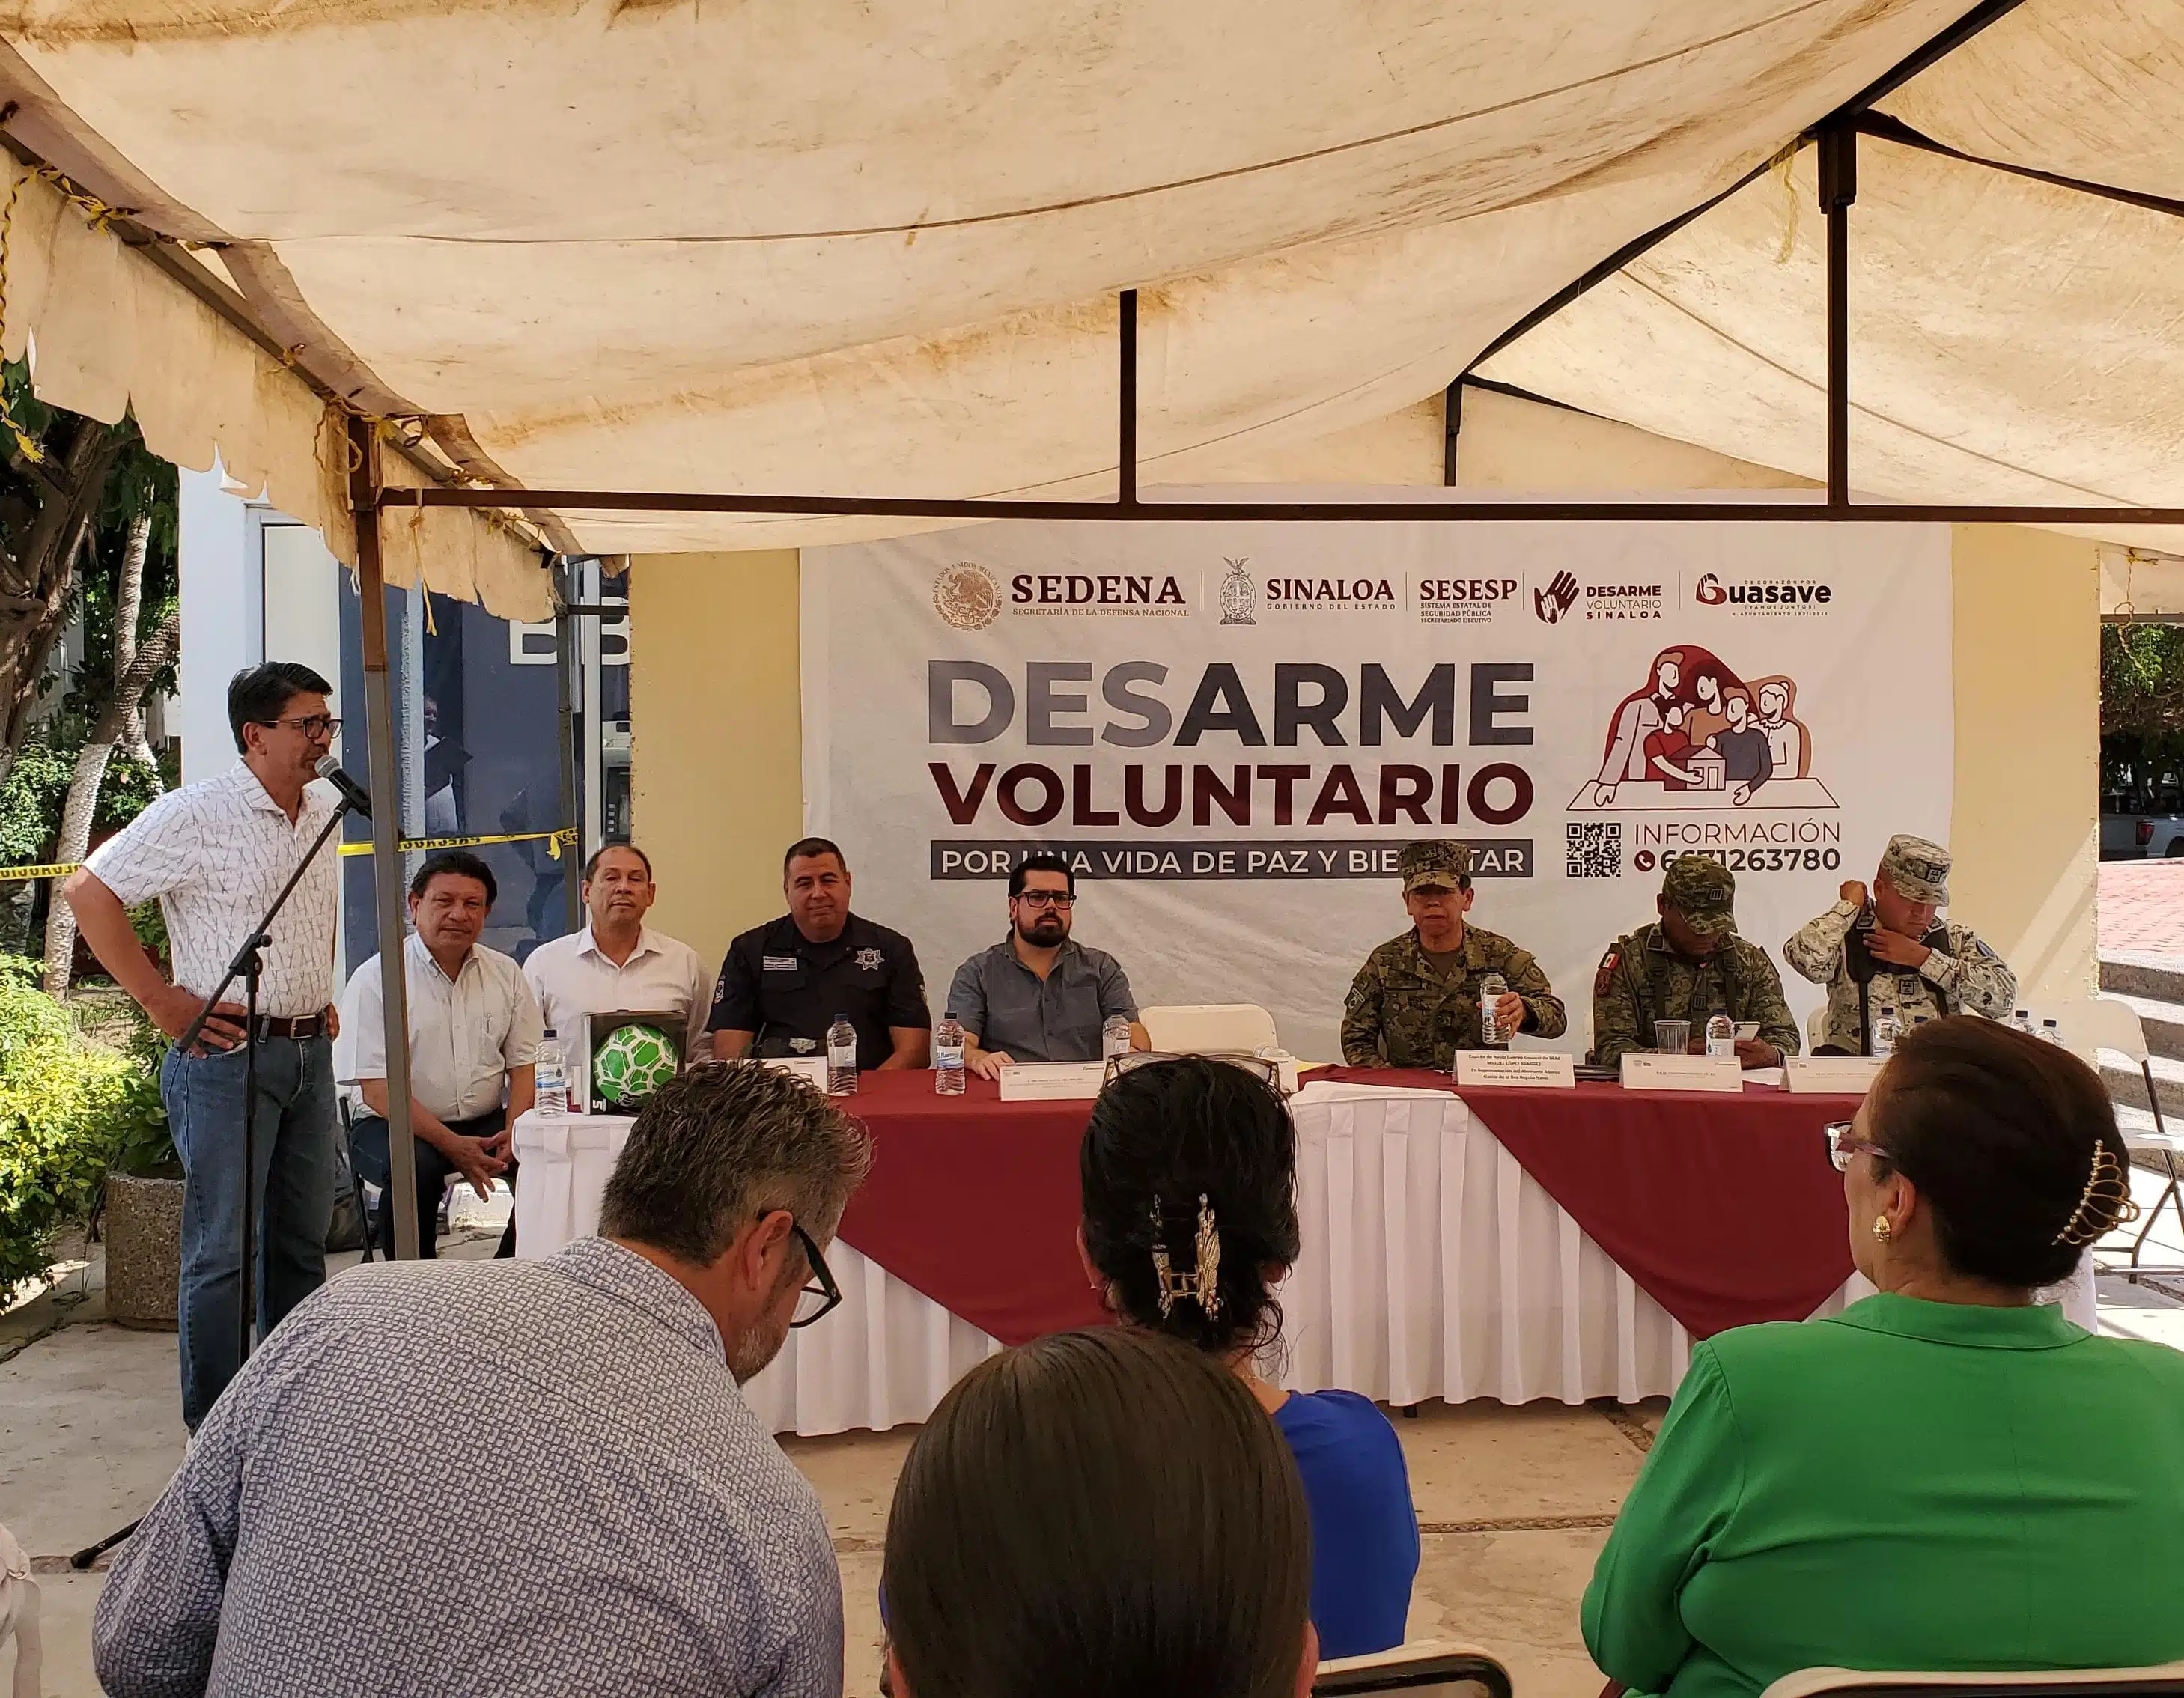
(647, 1535)
(619, 962)
(215, 854)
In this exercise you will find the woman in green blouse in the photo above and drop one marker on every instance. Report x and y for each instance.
(1944, 1475)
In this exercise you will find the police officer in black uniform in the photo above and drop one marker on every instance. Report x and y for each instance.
(783, 983)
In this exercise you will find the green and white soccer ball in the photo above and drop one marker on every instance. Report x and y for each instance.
(634, 1062)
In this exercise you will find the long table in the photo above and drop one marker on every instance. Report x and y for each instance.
(1507, 1243)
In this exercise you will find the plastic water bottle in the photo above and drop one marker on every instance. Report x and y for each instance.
(2054, 1033)
(2022, 1020)
(1721, 1036)
(1885, 1031)
(947, 1058)
(1114, 1037)
(841, 1058)
(1491, 989)
(551, 1083)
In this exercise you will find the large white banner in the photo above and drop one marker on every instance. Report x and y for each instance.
(1232, 728)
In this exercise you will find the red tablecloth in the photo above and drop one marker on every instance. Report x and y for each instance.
(1721, 1208)
(1724, 1209)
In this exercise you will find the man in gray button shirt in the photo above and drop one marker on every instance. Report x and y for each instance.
(1036, 996)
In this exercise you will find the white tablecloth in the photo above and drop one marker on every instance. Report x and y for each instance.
(1432, 1266)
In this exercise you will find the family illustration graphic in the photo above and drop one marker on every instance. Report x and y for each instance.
(1698, 734)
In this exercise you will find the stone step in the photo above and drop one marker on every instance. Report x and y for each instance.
(2127, 1086)
(2160, 978)
(2163, 1022)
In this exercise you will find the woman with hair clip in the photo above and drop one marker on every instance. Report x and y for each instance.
(1189, 1180)
(1942, 1477)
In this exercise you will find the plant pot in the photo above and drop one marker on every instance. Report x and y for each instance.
(143, 1251)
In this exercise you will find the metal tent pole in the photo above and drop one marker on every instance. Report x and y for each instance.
(1126, 446)
(564, 666)
(1838, 189)
(386, 835)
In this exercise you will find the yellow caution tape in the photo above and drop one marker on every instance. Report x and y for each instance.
(554, 842)
(59, 869)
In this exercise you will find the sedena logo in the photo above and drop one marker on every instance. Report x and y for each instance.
(966, 595)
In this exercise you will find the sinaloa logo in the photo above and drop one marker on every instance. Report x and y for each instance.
(968, 597)
(1711, 593)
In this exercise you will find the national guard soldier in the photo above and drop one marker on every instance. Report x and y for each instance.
(1690, 965)
(783, 983)
(1887, 950)
(1415, 1002)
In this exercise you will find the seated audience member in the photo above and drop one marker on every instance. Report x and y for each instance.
(617, 963)
(1941, 1476)
(1188, 1170)
(1099, 1515)
(1039, 995)
(474, 1028)
(646, 1533)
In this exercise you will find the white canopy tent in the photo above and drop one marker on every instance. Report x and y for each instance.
(819, 248)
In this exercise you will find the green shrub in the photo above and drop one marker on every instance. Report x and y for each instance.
(67, 1107)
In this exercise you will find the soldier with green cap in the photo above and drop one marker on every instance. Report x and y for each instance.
(1690, 965)
(1415, 1002)
(1890, 950)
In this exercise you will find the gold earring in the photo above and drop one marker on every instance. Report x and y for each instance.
(1881, 1229)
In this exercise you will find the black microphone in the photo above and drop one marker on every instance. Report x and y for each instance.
(352, 793)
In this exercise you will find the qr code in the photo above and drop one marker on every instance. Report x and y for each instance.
(1595, 849)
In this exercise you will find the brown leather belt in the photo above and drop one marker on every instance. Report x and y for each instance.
(300, 1026)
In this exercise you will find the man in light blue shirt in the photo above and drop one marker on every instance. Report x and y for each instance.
(1037, 996)
(647, 1534)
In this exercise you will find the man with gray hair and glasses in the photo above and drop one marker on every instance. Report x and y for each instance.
(646, 1533)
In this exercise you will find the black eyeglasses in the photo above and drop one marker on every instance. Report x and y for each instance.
(1841, 1146)
(821, 1297)
(1047, 898)
(1260, 1066)
(311, 725)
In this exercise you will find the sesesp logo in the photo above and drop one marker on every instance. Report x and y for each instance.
(1780, 596)
(966, 595)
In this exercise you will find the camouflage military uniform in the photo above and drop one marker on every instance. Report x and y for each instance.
(1642, 977)
(1642, 980)
(1403, 1013)
(1962, 975)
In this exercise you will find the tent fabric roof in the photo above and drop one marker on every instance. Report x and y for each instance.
(816, 246)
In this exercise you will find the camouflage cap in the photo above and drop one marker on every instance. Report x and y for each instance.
(1436, 864)
(1704, 892)
(1917, 869)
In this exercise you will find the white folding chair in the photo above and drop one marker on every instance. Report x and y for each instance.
(1204, 1028)
(1423, 1669)
(1816, 1027)
(2097, 1023)
(2067, 1682)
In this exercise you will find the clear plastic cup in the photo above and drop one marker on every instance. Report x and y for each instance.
(1672, 1037)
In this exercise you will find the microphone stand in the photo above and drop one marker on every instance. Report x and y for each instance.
(247, 965)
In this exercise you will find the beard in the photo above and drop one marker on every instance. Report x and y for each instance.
(755, 1348)
(1048, 929)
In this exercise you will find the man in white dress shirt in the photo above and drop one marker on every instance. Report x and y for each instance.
(474, 1030)
(619, 963)
(215, 854)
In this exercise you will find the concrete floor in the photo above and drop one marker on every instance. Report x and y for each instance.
(1513, 1503)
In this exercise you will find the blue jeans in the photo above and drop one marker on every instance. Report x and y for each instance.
(295, 1149)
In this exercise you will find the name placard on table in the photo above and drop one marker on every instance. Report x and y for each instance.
(1831, 1075)
(1051, 1081)
(1549, 1067)
(811, 1069)
(1682, 1073)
